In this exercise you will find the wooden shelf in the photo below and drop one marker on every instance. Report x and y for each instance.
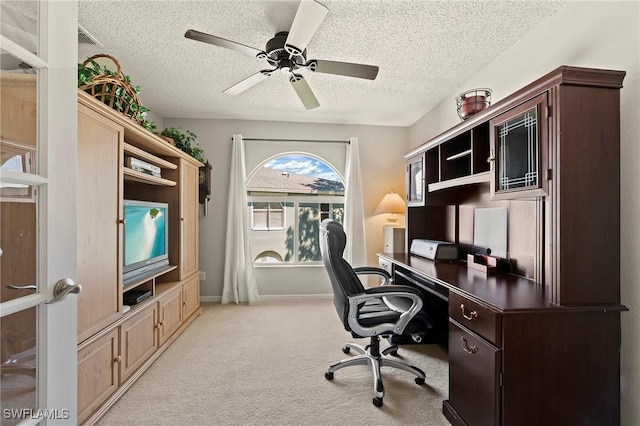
(145, 278)
(484, 177)
(136, 176)
(144, 155)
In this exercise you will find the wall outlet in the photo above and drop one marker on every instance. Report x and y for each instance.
(203, 276)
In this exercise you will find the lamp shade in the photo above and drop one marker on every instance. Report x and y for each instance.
(391, 203)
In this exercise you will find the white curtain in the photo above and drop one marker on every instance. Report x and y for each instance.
(355, 251)
(239, 279)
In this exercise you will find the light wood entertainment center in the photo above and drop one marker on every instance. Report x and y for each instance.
(116, 347)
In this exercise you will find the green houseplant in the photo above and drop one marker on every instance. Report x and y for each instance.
(186, 141)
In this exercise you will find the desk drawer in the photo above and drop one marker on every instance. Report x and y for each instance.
(480, 319)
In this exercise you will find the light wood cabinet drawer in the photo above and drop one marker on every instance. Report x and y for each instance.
(481, 320)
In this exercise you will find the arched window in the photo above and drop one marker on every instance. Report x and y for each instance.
(289, 195)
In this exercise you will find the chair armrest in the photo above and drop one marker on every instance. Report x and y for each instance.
(372, 270)
(378, 293)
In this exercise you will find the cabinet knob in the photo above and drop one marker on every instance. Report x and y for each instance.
(118, 359)
(122, 221)
(471, 316)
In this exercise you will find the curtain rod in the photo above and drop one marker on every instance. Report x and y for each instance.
(295, 140)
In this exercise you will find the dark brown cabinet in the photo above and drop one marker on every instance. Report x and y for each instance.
(519, 150)
(415, 181)
(539, 341)
(474, 376)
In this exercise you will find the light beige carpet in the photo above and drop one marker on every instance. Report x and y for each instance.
(264, 365)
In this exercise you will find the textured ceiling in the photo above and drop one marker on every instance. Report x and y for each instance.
(425, 51)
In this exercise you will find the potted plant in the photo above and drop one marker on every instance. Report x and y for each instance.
(186, 141)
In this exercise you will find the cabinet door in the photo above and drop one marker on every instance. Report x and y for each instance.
(474, 368)
(99, 209)
(415, 181)
(519, 151)
(138, 340)
(170, 310)
(97, 373)
(191, 296)
(189, 219)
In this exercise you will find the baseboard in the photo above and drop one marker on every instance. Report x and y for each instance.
(205, 299)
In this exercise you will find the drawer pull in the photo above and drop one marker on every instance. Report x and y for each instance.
(472, 315)
(468, 349)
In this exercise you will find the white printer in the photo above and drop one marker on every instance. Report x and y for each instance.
(434, 250)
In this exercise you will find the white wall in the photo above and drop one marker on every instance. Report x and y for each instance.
(381, 160)
(597, 35)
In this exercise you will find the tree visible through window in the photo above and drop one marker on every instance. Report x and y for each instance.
(288, 198)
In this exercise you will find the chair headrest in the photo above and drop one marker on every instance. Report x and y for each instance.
(336, 237)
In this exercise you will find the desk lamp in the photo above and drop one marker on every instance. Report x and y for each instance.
(391, 203)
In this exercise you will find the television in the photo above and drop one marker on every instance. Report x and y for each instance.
(146, 239)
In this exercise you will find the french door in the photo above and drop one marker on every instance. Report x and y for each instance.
(38, 138)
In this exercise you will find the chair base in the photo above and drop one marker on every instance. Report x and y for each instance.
(370, 355)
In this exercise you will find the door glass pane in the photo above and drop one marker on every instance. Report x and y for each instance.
(18, 115)
(20, 23)
(518, 152)
(18, 242)
(18, 366)
(415, 181)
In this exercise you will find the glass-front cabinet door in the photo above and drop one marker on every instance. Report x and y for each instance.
(415, 181)
(519, 151)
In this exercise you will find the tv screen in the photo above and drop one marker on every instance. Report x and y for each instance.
(145, 238)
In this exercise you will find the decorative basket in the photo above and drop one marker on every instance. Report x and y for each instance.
(472, 102)
(114, 89)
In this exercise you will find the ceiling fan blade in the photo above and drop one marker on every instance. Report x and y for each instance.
(348, 69)
(304, 92)
(308, 18)
(221, 42)
(248, 82)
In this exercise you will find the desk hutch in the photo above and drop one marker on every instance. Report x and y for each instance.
(540, 343)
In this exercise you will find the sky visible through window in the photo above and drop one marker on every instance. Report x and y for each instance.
(303, 165)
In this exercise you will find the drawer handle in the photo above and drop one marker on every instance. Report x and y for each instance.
(472, 315)
(468, 349)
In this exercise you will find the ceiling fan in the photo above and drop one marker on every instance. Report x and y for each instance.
(286, 52)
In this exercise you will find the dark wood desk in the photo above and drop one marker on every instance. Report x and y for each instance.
(515, 358)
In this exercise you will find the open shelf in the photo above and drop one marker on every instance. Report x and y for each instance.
(144, 155)
(483, 177)
(143, 279)
(136, 176)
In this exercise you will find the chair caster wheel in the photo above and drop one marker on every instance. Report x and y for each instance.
(346, 349)
(377, 401)
(328, 375)
(419, 381)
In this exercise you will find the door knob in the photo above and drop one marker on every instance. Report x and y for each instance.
(64, 287)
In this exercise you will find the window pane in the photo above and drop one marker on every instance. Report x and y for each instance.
(259, 219)
(308, 229)
(18, 349)
(20, 23)
(337, 212)
(275, 244)
(276, 219)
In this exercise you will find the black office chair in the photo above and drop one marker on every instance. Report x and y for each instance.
(373, 312)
